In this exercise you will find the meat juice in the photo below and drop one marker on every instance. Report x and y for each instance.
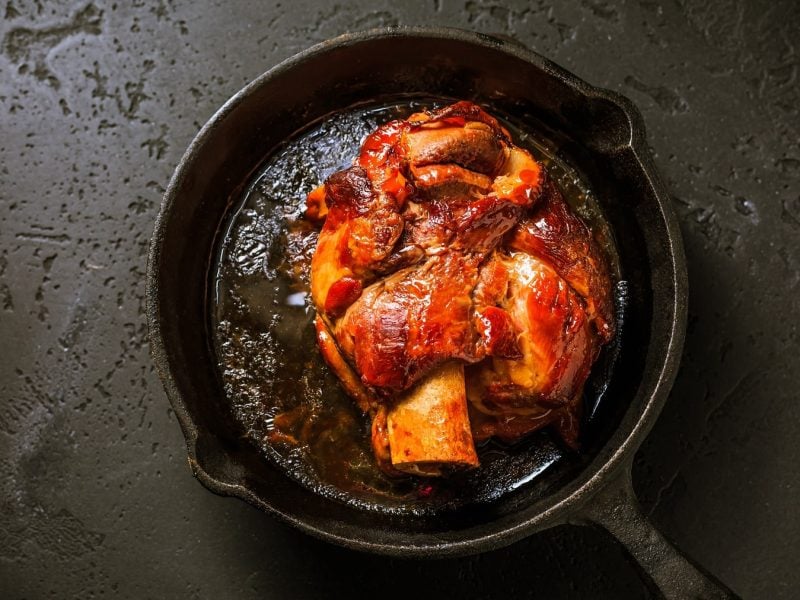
(279, 389)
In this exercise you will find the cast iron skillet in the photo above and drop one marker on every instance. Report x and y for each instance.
(601, 132)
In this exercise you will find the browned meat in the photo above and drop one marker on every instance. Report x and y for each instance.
(407, 323)
(557, 343)
(552, 232)
(444, 246)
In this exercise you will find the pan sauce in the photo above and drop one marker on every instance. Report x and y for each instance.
(262, 324)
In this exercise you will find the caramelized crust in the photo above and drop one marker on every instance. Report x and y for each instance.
(553, 233)
(557, 346)
(445, 246)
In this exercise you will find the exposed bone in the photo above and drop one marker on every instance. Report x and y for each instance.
(429, 426)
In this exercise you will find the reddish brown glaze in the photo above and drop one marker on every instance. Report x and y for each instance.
(498, 332)
(557, 344)
(342, 293)
(555, 234)
(443, 246)
(412, 321)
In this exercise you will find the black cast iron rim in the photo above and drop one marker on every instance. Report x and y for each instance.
(568, 500)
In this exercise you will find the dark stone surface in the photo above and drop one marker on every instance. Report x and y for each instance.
(98, 101)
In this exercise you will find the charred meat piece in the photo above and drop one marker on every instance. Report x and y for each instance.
(458, 296)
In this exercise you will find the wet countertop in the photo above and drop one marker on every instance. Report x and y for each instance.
(98, 101)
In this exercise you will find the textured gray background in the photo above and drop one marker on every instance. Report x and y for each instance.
(98, 101)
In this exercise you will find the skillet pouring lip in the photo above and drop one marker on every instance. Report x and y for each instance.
(569, 498)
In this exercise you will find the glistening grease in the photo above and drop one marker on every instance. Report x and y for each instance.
(265, 342)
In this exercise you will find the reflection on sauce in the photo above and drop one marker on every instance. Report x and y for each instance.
(278, 387)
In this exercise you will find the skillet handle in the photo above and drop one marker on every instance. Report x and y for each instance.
(616, 509)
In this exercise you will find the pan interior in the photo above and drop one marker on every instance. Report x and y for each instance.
(261, 323)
